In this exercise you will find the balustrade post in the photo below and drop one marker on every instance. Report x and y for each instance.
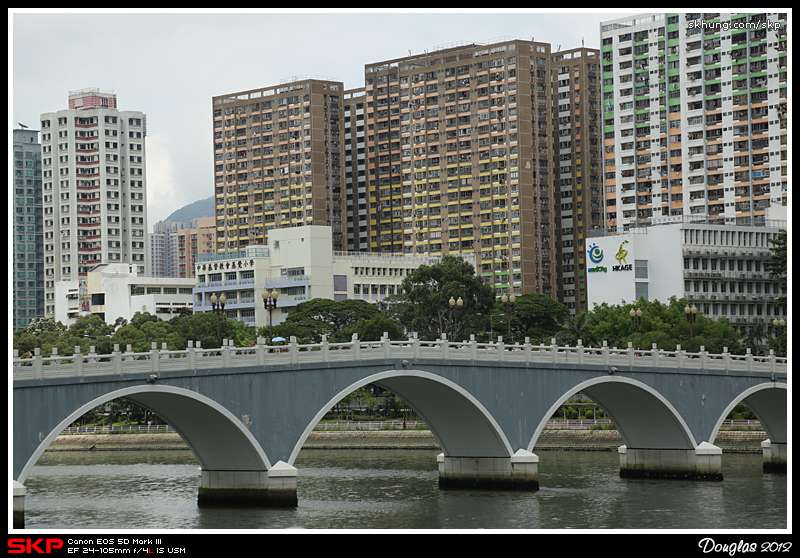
(749, 360)
(605, 353)
(37, 364)
(444, 346)
(155, 358)
(117, 358)
(77, 360)
(679, 356)
(703, 357)
(655, 355)
(630, 353)
(325, 348)
(191, 356)
(356, 347)
(773, 360)
(501, 349)
(415, 344)
(293, 349)
(387, 346)
(580, 351)
(473, 347)
(553, 349)
(726, 358)
(527, 349)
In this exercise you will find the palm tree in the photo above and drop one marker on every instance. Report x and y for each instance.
(575, 328)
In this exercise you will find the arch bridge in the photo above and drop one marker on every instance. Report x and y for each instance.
(245, 412)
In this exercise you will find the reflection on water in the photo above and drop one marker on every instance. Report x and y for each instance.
(397, 489)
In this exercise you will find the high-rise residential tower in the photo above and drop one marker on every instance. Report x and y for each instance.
(459, 159)
(278, 161)
(163, 248)
(198, 238)
(578, 167)
(28, 271)
(94, 188)
(355, 156)
(695, 123)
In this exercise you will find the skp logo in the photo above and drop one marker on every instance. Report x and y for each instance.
(30, 546)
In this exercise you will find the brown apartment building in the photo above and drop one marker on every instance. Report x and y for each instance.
(198, 239)
(578, 167)
(459, 160)
(278, 161)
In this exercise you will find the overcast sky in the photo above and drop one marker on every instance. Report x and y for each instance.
(169, 65)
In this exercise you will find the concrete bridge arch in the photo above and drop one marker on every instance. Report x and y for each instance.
(768, 401)
(642, 415)
(218, 439)
(461, 425)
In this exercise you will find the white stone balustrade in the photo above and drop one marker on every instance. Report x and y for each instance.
(229, 356)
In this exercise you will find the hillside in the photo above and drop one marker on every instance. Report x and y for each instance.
(200, 208)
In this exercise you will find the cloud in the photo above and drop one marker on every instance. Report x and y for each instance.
(163, 193)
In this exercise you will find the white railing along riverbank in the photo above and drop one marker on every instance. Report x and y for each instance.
(261, 354)
(356, 425)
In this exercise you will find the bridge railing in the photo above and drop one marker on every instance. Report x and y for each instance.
(228, 356)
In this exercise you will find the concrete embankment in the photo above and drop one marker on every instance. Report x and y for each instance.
(729, 441)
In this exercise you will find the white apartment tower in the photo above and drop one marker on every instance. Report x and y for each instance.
(695, 118)
(94, 188)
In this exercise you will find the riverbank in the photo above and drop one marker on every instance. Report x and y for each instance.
(730, 441)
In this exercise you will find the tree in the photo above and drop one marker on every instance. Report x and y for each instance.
(323, 316)
(92, 326)
(535, 316)
(428, 290)
(662, 324)
(287, 330)
(576, 328)
(40, 325)
(777, 263)
(202, 327)
(374, 328)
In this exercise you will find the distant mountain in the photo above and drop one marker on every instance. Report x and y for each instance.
(200, 208)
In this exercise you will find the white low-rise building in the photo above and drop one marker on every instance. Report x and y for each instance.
(117, 290)
(718, 268)
(299, 265)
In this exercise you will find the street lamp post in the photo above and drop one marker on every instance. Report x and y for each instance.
(691, 317)
(508, 306)
(270, 303)
(455, 309)
(218, 308)
(636, 318)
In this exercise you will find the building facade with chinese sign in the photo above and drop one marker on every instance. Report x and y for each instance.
(299, 265)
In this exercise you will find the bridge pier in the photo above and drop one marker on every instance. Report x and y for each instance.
(701, 463)
(518, 472)
(18, 504)
(274, 488)
(774, 456)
